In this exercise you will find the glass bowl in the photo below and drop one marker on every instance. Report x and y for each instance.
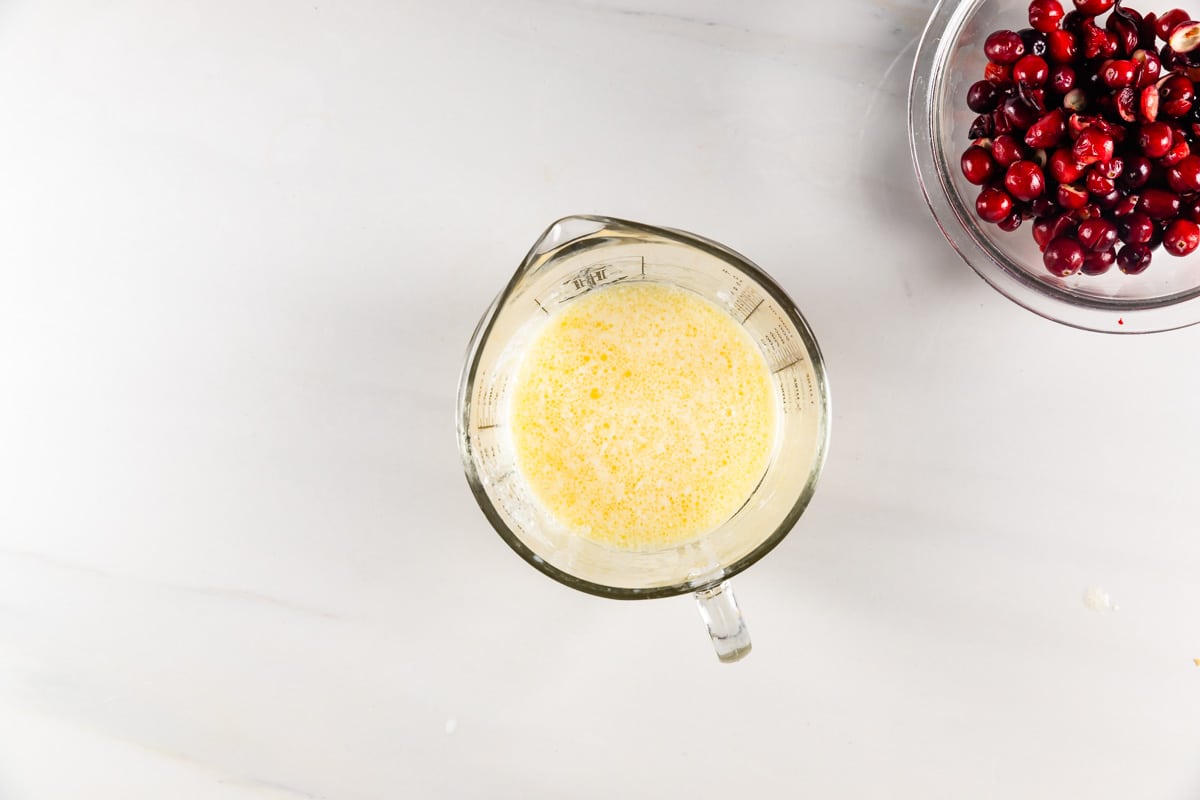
(949, 59)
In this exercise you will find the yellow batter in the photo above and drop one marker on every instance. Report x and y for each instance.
(642, 416)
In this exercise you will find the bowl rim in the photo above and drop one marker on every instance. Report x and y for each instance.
(1058, 304)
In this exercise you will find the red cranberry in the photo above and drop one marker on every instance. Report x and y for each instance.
(998, 74)
(1004, 47)
(1117, 73)
(1098, 262)
(1044, 15)
(993, 205)
(1125, 30)
(1126, 205)
(1185, 37)
(1071, 197)
(1107, 201)
(1093, 7)
(1062, 79)
(1178, 152)
(1048, 131)
(1063, 257)
(1090, 211)
(1175, 96)
(1147, 110)
(982, 97)
(1064, 169)
(1010, 223)
(1137, 228)
(1159, 203)
(1133, 259)
(1098, 182)
(1185, 176)
(1097, 234)
(1135, 174)
(1098, 43)
(1155, 139)
(1167, 22)
(1032, 71)
(1047, 229)
(1112, 170)
(1019, 113)
(1181, 237)
(1062, 46)
(1149, 67)
(977, 165)
(1007, 150)
(1024, 180)
(1042, 207)
(1092, 146)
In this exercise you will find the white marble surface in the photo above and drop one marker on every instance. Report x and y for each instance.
(242, 248)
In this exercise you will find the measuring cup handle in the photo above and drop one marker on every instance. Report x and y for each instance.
(719, 610)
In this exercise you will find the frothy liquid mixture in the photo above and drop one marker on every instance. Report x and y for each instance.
(642, 416)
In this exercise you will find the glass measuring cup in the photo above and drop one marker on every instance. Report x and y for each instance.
(577, 255)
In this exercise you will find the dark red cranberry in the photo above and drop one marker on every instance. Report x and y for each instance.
(1071, 197)
(1004, 47)
(1061, 46)
(1190, 208)
(1035, 41)
(1092, 146)
(1063, 257)
(1034, 98)
(1178, 152)
(1125, 30)
(1033, 71)
(1168, 20)
(1024, 180)
(998, 74)
(1010, 223)
(1048, 131)
(1006, 150)
(1093, 8)
(1137, 228)
(1062, 78)
(1098, 182)
(1000, 123)
(982, 127)
(1044, 15)
(1126, 205)
(1175, 96)
(977, 165)
(1019, 113)
(1133, 259)
(1043, 206)
(982, 97)
(1154, 138)
(1098, 262)
(1098, 43)
(1107, 201)
(1159, 204)
(1182, 236)
(1112, 169)
(1064, 169)
(1097, 234)
(1184, 177)
(993, 205)
(1125, 102)
(1135, 174)
(1047, 229)
(1117, 73)
(1147, 38)
(1149, 67)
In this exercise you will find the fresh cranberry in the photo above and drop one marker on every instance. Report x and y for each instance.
(977, 165)
(1159, 204)
(1024, 180)
(1181, 237)
(1107, 201)
(1098, 262)
(1034, 41)
(1147, 110)
(1135, 174)
(1093, 7)
(998, 74)
(1185, 37)
(1092, 146)
(1031, 71)
(982, 97)
(1155, 139)
(1047, 229)
(1175, 96)
(1149, 67)
(1004, 47)
(1010, 223)
(1044, 15)
(1112, 170)
(1098, 43)
(1184, 177)
(1125, 29)
(1006, 150)
(1071, 197)
(1098, 182)
(993, 205)
(1133, 259)
(983, 127)
(1048, 131)
(1125, 206)
(1061, 46)
(1116, 73)
(1097, 234)
(1064, 169)
(1167, 21)
(1137, 228)
(1062, 78)
(1063, 257)
(1178, 152)
(1019, 113)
